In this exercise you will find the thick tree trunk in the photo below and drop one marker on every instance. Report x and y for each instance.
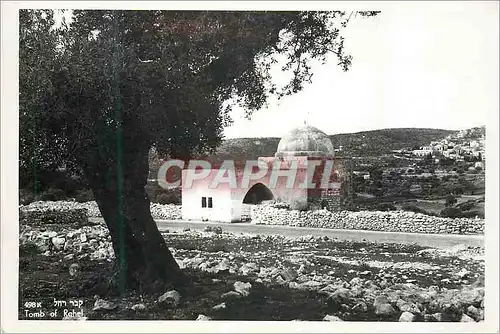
(142, 256)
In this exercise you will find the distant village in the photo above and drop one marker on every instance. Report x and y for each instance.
(453, 167)
(465, 148)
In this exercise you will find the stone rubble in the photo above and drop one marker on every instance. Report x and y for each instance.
(202, 317)
(366, 292)
(170, 299)
(104, 305)
(138, 307)
(243, 288)
(331, 318)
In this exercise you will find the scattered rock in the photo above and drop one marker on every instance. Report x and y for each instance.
(365, 273)
(170, 299)
(429, 318)
(356, 281)
(331, 318)
(223, 266)
(340, 296)
(58, 243)
(73, 269)
(288, 274)
(473, 311)
(407, 317)
(249, 268)
(219, 306)
(104, 305)
(438, 317)
(407, 307)
(311, 285)
(138, 307)
(242, 288)
(463, 273)
(83, 237)
(360, 307)
(203, 317)
(466, 318)
(380, 300)
(384, 309)
(230, 295)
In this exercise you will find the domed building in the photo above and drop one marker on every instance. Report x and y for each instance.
(303, 173)
(305, 141)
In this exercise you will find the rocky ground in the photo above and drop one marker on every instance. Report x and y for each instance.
(252, 277)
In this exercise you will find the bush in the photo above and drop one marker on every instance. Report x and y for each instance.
(472, 214)
(299, 205)
(28, 248)
(168, 198)
(26, 197)
(466, 205)
(450, 200)
(84, 195)
(451, 213)
(385, 207)
(53, 195)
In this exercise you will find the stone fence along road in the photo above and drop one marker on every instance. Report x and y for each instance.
(387, 221)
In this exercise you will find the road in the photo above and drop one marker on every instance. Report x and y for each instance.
(426, 240)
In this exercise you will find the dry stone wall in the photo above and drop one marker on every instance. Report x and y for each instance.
(77, 216)
(390, 221)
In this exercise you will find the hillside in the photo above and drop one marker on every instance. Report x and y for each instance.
(366, 143)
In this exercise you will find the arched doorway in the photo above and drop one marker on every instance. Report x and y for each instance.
(257, 193)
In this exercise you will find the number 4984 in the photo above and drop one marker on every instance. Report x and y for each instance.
(32, 304)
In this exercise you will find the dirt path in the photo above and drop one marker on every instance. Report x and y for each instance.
(427, 240)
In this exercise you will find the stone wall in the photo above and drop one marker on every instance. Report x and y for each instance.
(391, 221)
(42, 217)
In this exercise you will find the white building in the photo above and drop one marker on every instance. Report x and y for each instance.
(204, 199)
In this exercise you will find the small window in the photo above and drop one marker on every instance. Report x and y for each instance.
(210, 202)
(203, 202)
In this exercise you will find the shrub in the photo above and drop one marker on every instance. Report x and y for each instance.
(168, 198)
(472, 214)
(466, 206)
(385, 207)
(28, 248)
(25, 197)
(299, 205)
(450, 200)
(451, 213)
(53, 195)
(84, 195)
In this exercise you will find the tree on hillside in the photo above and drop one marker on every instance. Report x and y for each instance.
(99, 93)
(450, 200)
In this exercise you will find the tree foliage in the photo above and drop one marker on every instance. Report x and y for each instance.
(163, 75)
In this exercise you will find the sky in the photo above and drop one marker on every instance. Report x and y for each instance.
(432, 65)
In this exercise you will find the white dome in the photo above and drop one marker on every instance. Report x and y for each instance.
(305, 141)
